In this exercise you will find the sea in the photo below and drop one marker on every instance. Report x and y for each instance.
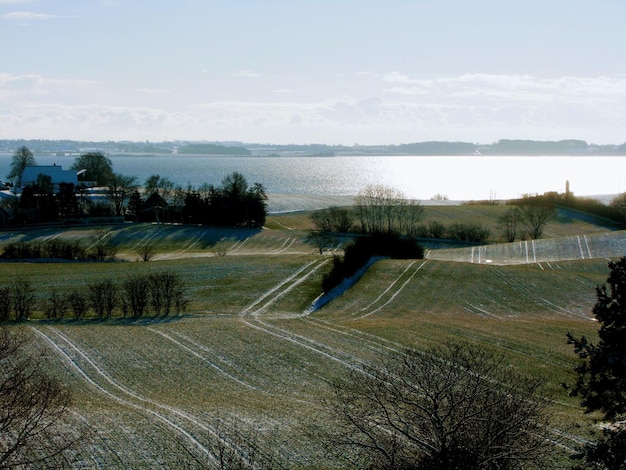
(417, 177)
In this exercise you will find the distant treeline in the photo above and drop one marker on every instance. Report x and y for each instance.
(501, 147)
(213, 149)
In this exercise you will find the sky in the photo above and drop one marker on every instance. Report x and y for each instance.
(313, 71)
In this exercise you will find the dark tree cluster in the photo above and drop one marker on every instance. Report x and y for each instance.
(52, 249)
(234, 203)
(358, 253)
(39, 203)
(468, 232)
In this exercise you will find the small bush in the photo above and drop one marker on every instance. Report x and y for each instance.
(55, 306)
(78, 303)
(5, 303)
(167, 293)
(136, 295)
(468, 232)
(23, 297)
(49, 249)
(103, 297)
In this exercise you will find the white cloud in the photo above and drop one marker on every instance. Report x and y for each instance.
(473, 107)
(15, 88)
(247, 74)
(29, 15)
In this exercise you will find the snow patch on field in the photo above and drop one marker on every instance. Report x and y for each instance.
(337, 291)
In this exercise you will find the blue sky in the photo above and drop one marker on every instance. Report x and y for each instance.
(335, 72)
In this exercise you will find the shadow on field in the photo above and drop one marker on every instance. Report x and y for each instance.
(114, 321)
(179, 237)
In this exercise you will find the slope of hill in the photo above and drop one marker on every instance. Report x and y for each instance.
(597, 245)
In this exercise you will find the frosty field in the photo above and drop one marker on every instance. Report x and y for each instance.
(248, 369)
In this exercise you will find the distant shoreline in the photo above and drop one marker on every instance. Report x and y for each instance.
(283, 203)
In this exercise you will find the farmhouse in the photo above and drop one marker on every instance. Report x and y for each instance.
(56, 173)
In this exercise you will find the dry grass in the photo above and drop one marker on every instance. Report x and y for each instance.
(155, 392)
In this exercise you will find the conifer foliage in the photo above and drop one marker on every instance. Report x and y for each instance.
(601, 381)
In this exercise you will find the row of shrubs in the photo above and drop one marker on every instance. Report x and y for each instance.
(468, 232)
(59, 249)
(161, 293)
(359, 252)
(342, 220)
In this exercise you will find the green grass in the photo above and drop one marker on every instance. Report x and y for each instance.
(152, 392)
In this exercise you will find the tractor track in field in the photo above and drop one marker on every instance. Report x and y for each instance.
(283, 288)
(189, 244)
(527, 292)
(252, 317)
(194, 352)
(384, 346)
(285, 246)
(146, 239)
(394, 293)
(203, 352)
(171, 417)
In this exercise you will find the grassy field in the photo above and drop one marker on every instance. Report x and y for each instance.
(246, 366)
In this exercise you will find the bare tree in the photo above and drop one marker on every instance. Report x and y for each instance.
(103, 297)
(163, 186)
(333, 219)
(55, 306)
(33, 408)
(321, 240)
(22, 298)
(619, 204)
(146, 251)
(78, 303)
(137, 294)
(167, 293)
(5, 303)
(385, 210)
(240, 448)
(22, 158)
(120, 188)
(455, 406)
(535, 216)
(508, 223)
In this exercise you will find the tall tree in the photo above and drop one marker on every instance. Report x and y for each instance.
(508, 223)
(386, 210)
(601, 374)
(22, 158)
(163, 186)
(535, 216)
(97, 166)
(120, 188)
(234, 185)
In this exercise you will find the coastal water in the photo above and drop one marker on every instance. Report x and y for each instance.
(458, 178)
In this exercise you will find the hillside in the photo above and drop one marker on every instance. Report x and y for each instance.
(248, 369)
